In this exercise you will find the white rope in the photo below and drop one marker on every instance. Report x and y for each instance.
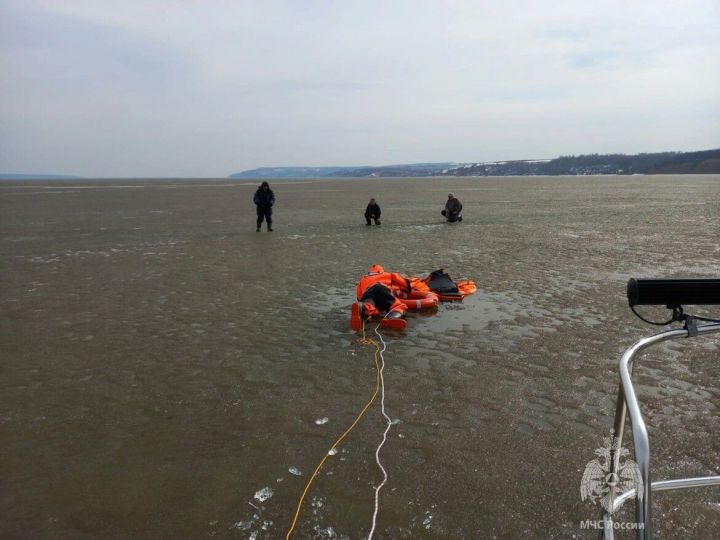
(387, 429)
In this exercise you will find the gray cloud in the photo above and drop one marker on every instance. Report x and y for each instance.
(199, 89)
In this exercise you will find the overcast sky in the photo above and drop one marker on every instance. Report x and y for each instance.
(207, 88)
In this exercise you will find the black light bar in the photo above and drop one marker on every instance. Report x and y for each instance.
(673, 292)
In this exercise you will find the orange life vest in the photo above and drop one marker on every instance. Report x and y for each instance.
(389, 279)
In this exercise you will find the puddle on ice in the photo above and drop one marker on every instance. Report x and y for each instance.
(332, 299)
(476, 312)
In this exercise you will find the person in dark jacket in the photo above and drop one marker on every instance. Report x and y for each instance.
(453, 207)
(264, 200)
(372, 212)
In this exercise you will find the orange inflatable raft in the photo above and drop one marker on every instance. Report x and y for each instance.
(403, 294)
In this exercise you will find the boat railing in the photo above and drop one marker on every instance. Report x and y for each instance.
(627, 402)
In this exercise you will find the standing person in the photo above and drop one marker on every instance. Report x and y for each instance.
(264, 200)
(372, 212)
(453, 207)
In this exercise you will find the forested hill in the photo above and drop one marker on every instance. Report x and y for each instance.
(704, 162)
(707, 162)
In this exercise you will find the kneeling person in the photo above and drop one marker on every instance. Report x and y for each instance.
(453, 207)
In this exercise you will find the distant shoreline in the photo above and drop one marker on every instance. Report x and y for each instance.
(701, 162)
(662, 163)
(68, 182)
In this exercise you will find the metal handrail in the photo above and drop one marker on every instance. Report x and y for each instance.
(668, 485)
(627, 402)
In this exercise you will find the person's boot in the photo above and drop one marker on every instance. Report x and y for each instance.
(257, 225)
(394, 320)
(356, 316)
(269, 226)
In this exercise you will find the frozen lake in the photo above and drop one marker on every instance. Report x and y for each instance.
(169, 372)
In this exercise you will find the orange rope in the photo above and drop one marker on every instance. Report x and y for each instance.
(365, 341)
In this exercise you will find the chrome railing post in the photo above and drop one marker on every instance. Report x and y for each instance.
(618, 429)
(628, 403)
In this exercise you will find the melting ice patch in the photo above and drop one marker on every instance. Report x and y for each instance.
(321, 421)
(420, 228)
(325, 532)
(295, 471)
(264, 494)
(332, 452)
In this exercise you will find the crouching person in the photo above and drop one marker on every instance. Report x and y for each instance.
(452, 210)
(372, 212)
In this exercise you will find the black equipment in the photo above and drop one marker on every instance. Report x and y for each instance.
(673, 292)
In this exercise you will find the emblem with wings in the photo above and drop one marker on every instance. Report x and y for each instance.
(597, 481)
